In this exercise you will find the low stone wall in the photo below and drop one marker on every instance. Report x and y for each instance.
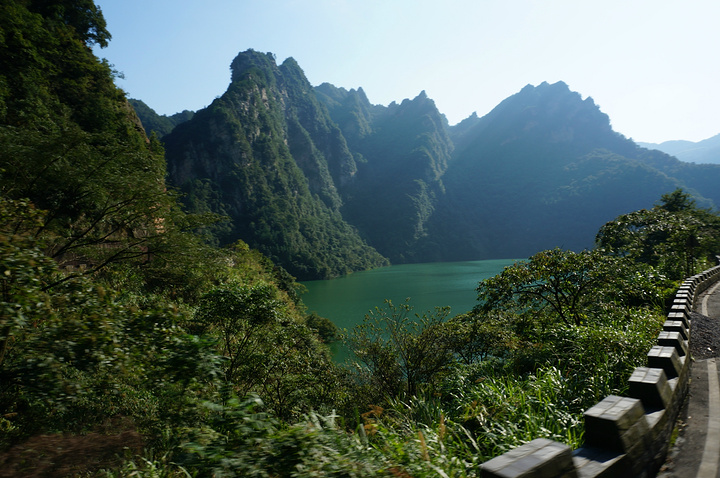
(624, 436)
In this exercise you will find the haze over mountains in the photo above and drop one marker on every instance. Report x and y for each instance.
(324, 182)
(706, 151)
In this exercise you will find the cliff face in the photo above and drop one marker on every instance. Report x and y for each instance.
(315, 141)
(252, 156)
(404, 151)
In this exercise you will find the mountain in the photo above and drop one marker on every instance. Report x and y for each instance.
(266, 155)
(403, 151)
(706, 151)
(155, 123)
(324, 182)
(541, 170)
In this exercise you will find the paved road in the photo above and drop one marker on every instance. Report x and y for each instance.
(697, 450)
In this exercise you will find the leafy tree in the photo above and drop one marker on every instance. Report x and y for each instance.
(677, 201)
(564, 281)
(398, 352)
(477, 339)
(23, 267)
(77, 354)
(265, 351)
(324, 327)
(104, 202)
(670, 236)
(70, 143)
(239, 315)
(83, 16)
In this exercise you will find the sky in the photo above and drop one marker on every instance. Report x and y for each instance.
(650, 65)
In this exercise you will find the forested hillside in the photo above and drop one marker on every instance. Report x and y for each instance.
(118, 321)
(266, 155)
(160, 125)
(544, 169)
(404, 152)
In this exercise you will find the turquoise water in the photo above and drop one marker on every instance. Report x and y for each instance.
(347, 299)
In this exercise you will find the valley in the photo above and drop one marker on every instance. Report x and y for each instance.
(325, 183)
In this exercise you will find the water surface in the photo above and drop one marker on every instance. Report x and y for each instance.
(347, 299)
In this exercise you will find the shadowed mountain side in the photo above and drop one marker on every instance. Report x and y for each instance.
(403, 153)
(543, 169)
(155, 123)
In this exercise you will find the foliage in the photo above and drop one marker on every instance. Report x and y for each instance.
(75, 354)
(507, 411)
(71, 145)
(239, 316)
(398, 352)
(82, 16)
(264, 350)
(479, 340)
(156, 124)
(324, 327)
(104, 202)
(569, 284)
(242, 440)
(671, 236)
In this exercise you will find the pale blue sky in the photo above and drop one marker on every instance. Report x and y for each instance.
(651, 65)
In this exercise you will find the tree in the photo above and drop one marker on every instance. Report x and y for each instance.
(104, 201)
(398, 351)
(83, 16)
(676, 201)
(70, 143)
(479, 337)
(563, 281)
(75, 354)
(239, 316)
(23, 268)
(264, 350)
(669, 237)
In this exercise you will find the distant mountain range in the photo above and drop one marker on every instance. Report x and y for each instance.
(706, 151)
(324, 182)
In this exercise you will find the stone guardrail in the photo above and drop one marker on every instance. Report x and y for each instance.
(624, 436)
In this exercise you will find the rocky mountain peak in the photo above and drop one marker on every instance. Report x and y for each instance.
(249, 59)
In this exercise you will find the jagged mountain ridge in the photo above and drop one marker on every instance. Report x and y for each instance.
(252, 156)
(544, 164)
(543, 169)
(403, 152)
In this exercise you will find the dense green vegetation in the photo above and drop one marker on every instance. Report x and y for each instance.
(504, 185)
(152, 122)
(131, 345)
(255, 156)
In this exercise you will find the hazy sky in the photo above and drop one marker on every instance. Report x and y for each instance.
(651, 65)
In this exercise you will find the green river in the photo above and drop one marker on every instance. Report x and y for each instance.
(347, 299)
